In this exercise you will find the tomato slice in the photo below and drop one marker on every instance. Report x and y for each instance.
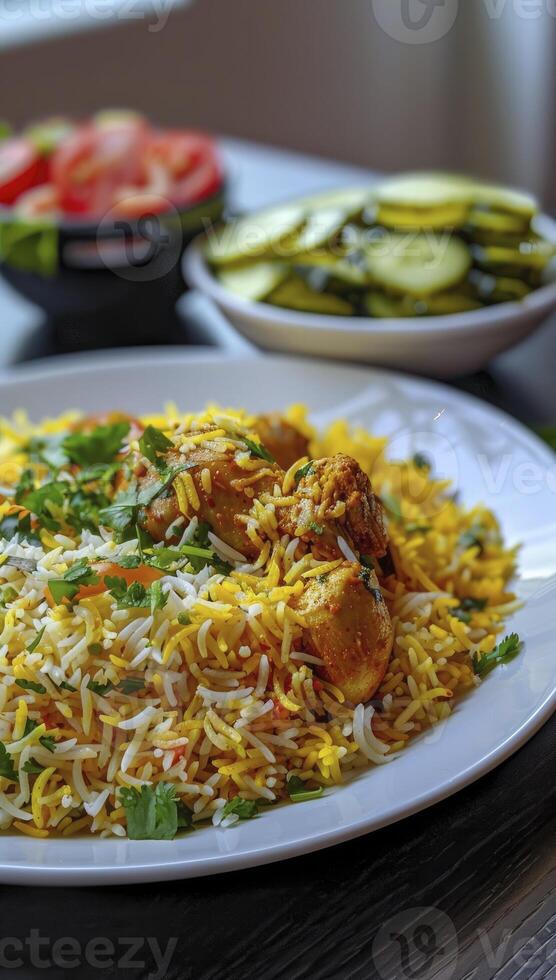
(191, 162)
(94, 161)
(21, 168)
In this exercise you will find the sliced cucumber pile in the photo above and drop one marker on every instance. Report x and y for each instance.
(427, 244)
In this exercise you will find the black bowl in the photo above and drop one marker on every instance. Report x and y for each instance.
(109, 282)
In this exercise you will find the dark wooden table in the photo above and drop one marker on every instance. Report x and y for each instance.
(464, 890)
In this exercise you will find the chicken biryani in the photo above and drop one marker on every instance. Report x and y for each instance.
(203, 615)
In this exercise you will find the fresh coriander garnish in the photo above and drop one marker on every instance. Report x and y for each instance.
(304, 471)
(506, 650)
(151, 812)
(135, 595)
(78, 574)
(244, 809)
(298, 791)
(257, 449)
(34, 643)
(30, 686)
(7, 770)
(98, 446)
(32, 766)
(316, 528)
(468, 606)
(154, 441)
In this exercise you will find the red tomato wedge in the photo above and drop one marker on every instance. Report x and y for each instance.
(94, 161)
(191, 162)
(21, 168)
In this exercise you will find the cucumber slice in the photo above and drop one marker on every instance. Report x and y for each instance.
(424, 191)
(254, 282)
(320, 228)
(497, 222)
(417, 264)
(501, 289)
(384, 307)
(253, 236)
(529, 255)
(333, 266)
(447, 216)
(505, 199)
(295, 294)
(351, 200)
(443, 304)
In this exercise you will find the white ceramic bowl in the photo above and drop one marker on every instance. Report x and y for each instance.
(439, 345)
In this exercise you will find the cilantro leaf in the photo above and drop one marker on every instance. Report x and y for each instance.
(32, 766)
(7, 770)
(154, 441)
(257, 449)
(158, 597)
(48, 450)
(98, 446)
(185, 817)
(421, 461)
(41, 499)
(98, 688)
(78, 574)
(129, 561)
(472, 539)
(31, 686)
(506, 650)
(46, 741)
(130, 685)
(64, 686)
(244, 809)
(316, 528)
(468, 606)
(14, 524)
(298, 791)
(151, 812)
(304, 471)
(34, 644)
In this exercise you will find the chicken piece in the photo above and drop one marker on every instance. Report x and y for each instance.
(286, 443)
(334, 499)
(349, 628)
(223, 506)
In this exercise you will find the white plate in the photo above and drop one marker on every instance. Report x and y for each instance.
(440, 345)
(491, 458)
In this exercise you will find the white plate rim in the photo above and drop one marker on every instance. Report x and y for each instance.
(54, 874)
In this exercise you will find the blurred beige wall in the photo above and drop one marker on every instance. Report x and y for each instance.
(315, 75)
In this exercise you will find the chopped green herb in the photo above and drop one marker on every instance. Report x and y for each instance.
(78, 574)
(46, 741)
(7, 770)
(129, 561)
(95, 648)
(184, 619)
(506, 650)
(98, 446)
(298, 791)
(64, 686)
(472, 539)
(32, 766)
(185, 817)
(257, 449)
(421, 461)
(60, 590)
(130, 685)
(14, 524)
(135, 595)
(244, 809)
(365, 576)
(100, 689)
(7, 594)
(151, 812)
(48, 450)
(413, 527)
(304, 471)
(124, 511)
(154, 441)
(41, 500)
(468, 606)
(31, 686)
(316, 528)
(34, 644)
